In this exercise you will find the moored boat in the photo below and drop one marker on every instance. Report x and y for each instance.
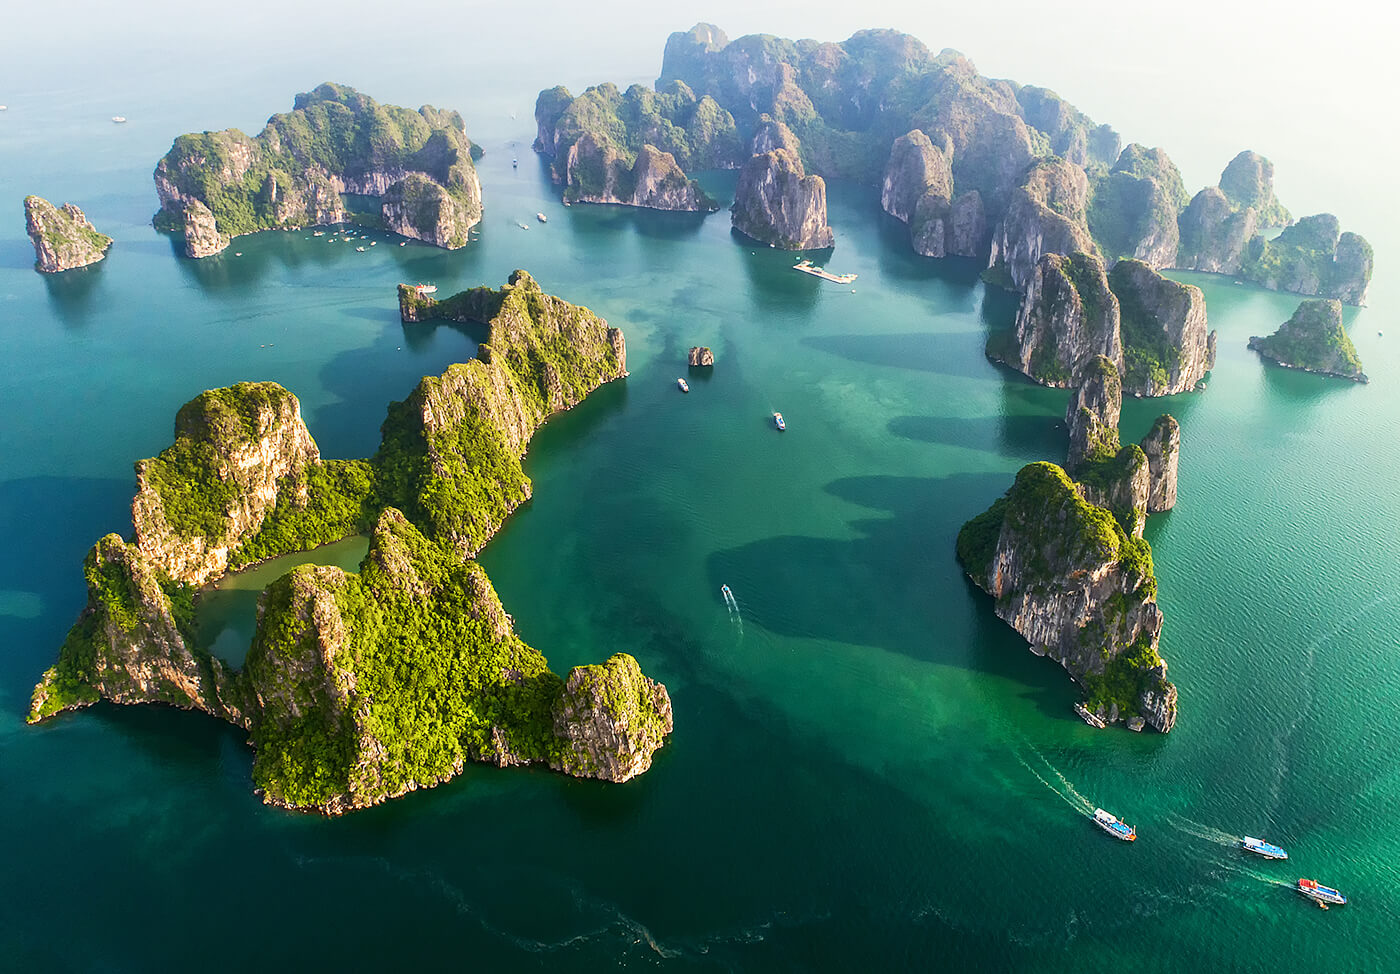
(778, 421)
(1259, 847)
(541, 217)
(1319, 894)
(119, 119)
(1111, 825)
(684, 386)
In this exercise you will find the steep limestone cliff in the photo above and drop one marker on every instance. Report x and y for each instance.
(211, 489)
(612, 719)
(1134, 208)
(217, 185)
(1093, 413)
(417, 207)
(1067, 317)
(133, 643)
(1079, 589)
(1248, 182)
(916, 167)
(1046, 215)
(632, 148)
(600, 173)
(1162, 446)
(201, 231)
(63, 237)
(1314, 339)
(777, 203)
(1167, 348)
(1312, 257)
(1214, 234)
(918, 190)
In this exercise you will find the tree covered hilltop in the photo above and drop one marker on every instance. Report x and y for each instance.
(975, 166)
(360, 687)
(334, 143)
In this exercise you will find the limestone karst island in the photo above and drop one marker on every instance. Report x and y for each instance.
(362, 686)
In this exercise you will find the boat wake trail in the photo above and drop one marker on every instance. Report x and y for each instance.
(1064, 791)
(1203, 831)
(732, 604)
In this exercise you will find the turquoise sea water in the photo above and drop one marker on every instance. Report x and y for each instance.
(868, 770)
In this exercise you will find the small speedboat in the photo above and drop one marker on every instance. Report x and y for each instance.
(119, 119)
(541, 217)
(726, 592)
(684, 386)
(778, 421)
(1111, 825)
(1259, 847)
(514, 163)
(359, 250)
(1323, 896)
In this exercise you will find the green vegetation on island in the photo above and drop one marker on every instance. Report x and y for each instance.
(1313, 339)
(334, 141)
(1065, 570)
(634, 147)
(360, 687)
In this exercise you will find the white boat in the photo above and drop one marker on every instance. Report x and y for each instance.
(1111, 825)
(779, 422)
(359, 250)
(541, 217)
(119, 119)
(1259, 847)
(684, 386)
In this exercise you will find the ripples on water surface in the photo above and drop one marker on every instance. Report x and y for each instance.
(867, 767)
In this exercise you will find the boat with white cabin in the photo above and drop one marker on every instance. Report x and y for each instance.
(1261, 848)
(1111, 825)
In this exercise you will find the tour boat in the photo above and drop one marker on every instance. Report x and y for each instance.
(514, 163)
(1113, 827)
(359, 250)
(1321, 895)
(682, 383)
(778, 421)
(318, 233)
(119, 119)
(541, 217)
(1258, 846)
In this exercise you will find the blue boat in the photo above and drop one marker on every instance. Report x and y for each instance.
(1258, 846)
(778, 421)
(725, 591)
(1111, 825)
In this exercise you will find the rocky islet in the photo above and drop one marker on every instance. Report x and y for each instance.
(63, 237)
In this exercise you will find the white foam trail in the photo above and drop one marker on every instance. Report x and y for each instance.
(1202, 831)
(732, 604)
(1084, 804)
(1079, 806)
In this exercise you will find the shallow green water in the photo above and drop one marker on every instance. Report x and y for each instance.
(868, 768)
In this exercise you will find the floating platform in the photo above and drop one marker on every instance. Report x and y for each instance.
(807, 267)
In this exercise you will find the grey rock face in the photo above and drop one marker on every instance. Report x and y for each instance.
(1155, 309)
(63, 237)
(1067, 317)
(202, 236)
(1046, 216)
(777, 203)
(1248, 182)
(1162, 445)
(916, 169)
(1092, 416)
(1214, 234)
(700, 355)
